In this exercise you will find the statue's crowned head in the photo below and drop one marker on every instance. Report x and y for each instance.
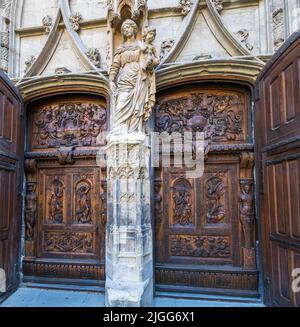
(129, 28)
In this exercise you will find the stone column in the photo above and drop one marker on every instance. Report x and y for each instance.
(129, 260)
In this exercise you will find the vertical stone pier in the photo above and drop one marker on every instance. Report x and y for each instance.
(129, 259)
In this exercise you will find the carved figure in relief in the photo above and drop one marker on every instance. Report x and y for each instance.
(132, 79)
(247, 212)
(83, 204)
(31, 200)
(215, 208)
(56, 203)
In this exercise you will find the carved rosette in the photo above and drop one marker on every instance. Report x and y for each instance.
(75, 21)
(47, 23)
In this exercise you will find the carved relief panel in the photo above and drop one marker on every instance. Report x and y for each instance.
(202, 239)
(219, 114)
(66, 194)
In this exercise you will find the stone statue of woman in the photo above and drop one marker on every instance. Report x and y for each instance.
(132, 79)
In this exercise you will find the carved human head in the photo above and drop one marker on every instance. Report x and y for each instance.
(149, 34)
(129, 28)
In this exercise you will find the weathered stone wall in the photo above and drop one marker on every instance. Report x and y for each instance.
(217, 29)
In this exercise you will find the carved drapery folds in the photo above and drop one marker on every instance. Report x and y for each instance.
(182, 203)
(215, 198)
(70, 124)
(219, 117)
(247, 213)
(83, 201)
(55, 202)
(30, 206)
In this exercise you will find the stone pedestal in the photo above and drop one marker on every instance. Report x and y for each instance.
(129, 260)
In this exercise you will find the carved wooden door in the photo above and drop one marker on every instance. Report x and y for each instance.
(66, 191)
(205, 226)
(277, 117)
(11, 173)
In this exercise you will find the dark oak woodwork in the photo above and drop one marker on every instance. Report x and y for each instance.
(11, 168)
(205, 227)
(277, 120)
(66, 190)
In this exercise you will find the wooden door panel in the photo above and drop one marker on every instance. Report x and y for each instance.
(66, 190)
(277, 117)
(205, 239)
(69, 210)
(11, 173)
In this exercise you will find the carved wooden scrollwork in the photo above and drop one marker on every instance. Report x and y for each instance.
(200, 246)
(68, 124)
(68, 242)
(218, 116)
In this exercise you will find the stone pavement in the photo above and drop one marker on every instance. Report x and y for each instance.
(38, 297)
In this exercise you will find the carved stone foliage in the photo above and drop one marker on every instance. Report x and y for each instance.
(29, 62)
(186, 6)
(278, 27)
(215, 198)
(75, 21)
(182, 203)
(218, 116)
(95, 57)
(70, 124)
(218, 4)
(243, 36)
(55, 202)
(30, 213)
(200, 246)
(83, 202)
(47, 23)
(5, 9)
(166, 47)
(247, 212)
(68, 242)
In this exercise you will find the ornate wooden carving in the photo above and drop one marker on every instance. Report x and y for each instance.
(55, 203)
(68, 242)
(68, 124)
(182, 203)
(219, 116)
(247, 212)
(30, 213)
(83, 202)
(215, 201)
(200, 246)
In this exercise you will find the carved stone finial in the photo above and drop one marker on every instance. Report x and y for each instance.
(166, 47)
(75, 20)
(186, 6)
(47, 23)
(28, 63)
(95, 57)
